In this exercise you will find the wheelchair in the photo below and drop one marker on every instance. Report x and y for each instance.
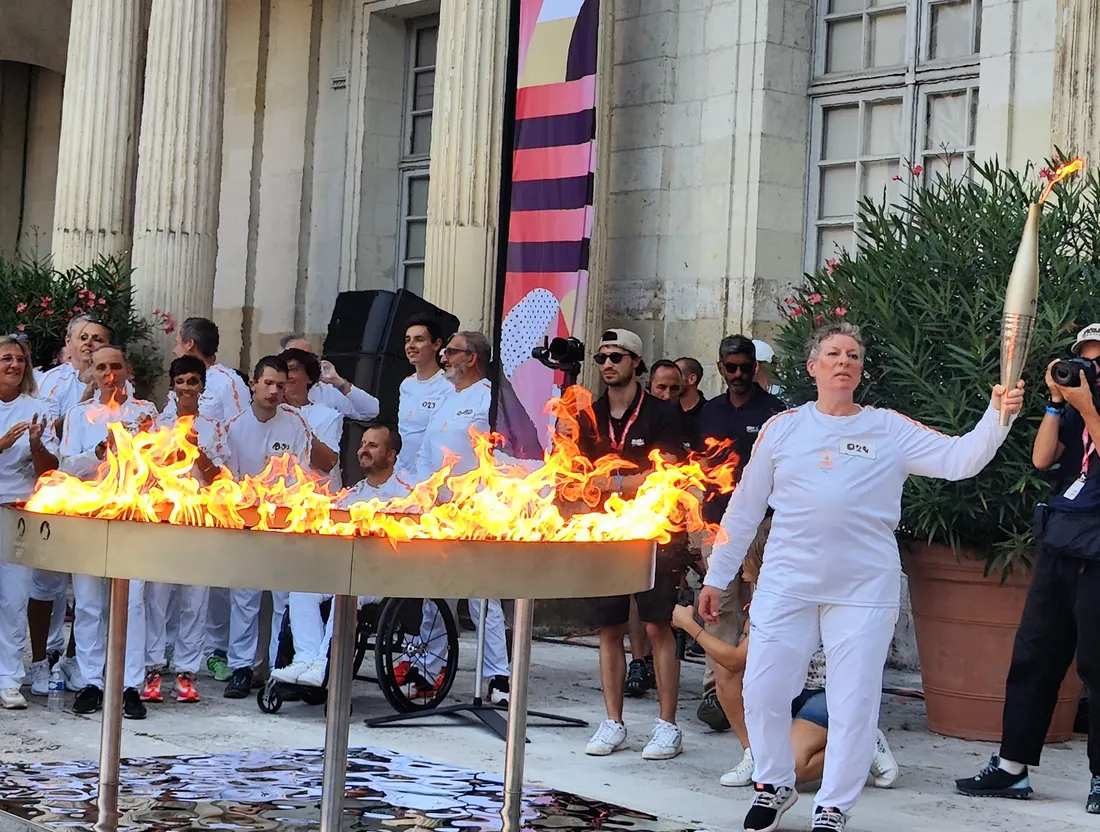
(390, 630)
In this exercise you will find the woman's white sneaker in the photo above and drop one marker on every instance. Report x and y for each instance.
(667, 741)
(12, 700)
(884, 768)
(740, 774)
(609, 737)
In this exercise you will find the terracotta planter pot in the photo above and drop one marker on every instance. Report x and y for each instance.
(965, 624)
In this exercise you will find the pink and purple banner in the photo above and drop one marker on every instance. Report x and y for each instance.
(545, 273)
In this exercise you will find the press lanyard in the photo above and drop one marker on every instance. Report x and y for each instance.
(617, 445)
(1089, 445)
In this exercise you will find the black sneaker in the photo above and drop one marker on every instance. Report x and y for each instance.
(239, 684)
(993, 781)
(88, 700)
(635, 678)
(828, 820)
(710, 712)
(1092, 804)
(768, 807)
(499, 690)
(132, 706)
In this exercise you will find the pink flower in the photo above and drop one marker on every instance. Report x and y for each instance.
(21, 327)
(789, 300)
(897, 178)
(157, 312)
(819, 319)
(918, 170)
(796, 312)
(841, 311)
(1045, 173)
(830, 266)
(815, 298)
(22, 307)
(102, 302)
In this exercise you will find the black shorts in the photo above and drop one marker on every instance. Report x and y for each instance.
(654, 605)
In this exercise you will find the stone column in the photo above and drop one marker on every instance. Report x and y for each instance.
(94, 204)
(1076, 120)
(463, 201)
(179, 160)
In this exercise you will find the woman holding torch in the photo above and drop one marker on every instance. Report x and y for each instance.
(833, 471)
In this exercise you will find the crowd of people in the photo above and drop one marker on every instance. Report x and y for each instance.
(804, 578)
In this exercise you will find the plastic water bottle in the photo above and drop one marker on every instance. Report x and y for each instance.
(55, 699)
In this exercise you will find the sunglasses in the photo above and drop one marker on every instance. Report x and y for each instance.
(602, 358)
(21, 337)
(747, 368)
(447, 352)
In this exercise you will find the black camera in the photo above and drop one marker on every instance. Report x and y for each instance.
(565, 354)
(1067, 372)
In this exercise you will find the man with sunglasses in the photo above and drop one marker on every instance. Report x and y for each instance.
(737, 418)
(1061, 617)
(632, 423)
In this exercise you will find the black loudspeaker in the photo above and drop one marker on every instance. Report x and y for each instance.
(406, 305)
(359, 322)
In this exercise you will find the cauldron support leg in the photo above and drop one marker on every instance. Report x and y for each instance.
(110, 738)
(339, 711)
(512, 811)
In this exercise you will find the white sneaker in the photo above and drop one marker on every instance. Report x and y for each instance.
(667, 741)
(40, 678)
(71, 673)
(740, 774)
(314, 676)
(12, 700)
(290, 673)
(609, 737)
(884, 768)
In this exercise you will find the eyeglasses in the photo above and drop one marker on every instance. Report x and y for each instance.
(602, 358)
(448, 352)
(747, 368)
(21, 337)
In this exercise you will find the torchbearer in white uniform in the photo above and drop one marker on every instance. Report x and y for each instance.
(377, 455)
(187, 376)
(833, 471)
(28, 449)
(466, 365)
(334, 391)
(422, 393)
(268, 429)
(85, 442)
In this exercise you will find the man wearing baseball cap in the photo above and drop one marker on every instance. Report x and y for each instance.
(1061, 618)
(631, 423)
(765, 367)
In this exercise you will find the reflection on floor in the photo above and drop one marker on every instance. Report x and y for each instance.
(277, 790)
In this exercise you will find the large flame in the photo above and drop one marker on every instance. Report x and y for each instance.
(1068, 169)
(149, 477)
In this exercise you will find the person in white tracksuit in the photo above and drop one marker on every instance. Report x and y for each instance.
(833, 471)
(85, 442)
(28, 449)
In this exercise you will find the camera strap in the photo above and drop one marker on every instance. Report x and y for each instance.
(618, 444)
(1079, 483)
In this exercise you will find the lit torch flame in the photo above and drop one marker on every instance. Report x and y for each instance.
(149, 477)
(1068, 169)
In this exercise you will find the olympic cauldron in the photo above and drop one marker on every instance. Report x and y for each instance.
(504, 532)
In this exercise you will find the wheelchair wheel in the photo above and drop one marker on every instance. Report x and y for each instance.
(364, 629)
(269, 699)
(315, 696)
(415, 675)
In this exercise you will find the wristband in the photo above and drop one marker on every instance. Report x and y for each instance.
(1053, 405)
(618, 480)
(1054, 411)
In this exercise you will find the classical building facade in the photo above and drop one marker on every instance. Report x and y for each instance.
(253, 158)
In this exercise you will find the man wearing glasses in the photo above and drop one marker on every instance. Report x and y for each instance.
(736, 417)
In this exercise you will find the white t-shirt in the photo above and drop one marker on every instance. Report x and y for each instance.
(328, 426)
(357, 404)
(363, 491)
(417, 401)
(17, 475)
(85, 427)
(449, 430)
(251, 443)
(223, 396)
(835, 483)
(210, 435)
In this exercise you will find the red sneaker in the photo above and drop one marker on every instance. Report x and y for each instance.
(401, 671)
(421, 687)
(185, 688)
(150, 691)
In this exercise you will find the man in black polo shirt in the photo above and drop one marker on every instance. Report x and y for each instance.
(631, 423)
(691, 400)
(738, 417)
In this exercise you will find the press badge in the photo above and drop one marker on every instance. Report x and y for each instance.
(1075, 488)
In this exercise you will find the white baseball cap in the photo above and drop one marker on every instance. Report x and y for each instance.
(1089, 333)
(626, 340)
(764, 352)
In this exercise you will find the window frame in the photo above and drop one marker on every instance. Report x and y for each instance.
(407, 176)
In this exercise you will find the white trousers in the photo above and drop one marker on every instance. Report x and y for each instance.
(244, 627)
(52, 586)
(14, 590)
(434, 634)
(311, 635)
(217, 621)
(191, 629)
(783, 637)
(90, 628)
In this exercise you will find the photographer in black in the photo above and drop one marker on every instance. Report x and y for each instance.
(1062, 612)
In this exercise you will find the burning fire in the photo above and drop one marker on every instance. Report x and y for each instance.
(1065, 170)
(148, 477)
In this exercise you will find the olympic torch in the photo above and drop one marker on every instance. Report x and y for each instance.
(1022, 295)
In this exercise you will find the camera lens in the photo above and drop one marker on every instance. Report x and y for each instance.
(1067, 372)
